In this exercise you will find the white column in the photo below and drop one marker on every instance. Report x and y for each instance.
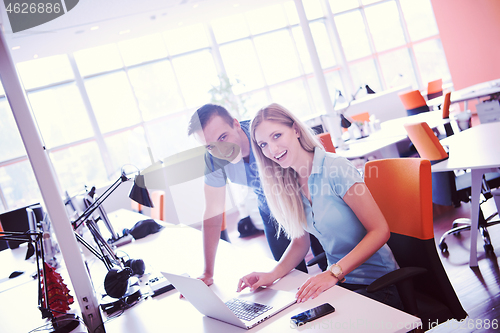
(318, 74)
(52, 198)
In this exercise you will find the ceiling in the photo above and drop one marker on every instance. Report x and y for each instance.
(98, 22)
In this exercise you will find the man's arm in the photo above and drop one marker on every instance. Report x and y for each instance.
(215, 198)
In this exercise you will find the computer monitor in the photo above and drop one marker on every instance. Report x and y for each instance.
(18, 220)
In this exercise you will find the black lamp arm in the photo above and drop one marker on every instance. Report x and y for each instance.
(85, 215)
(35, 237)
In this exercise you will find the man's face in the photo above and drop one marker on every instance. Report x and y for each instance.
(220, 139)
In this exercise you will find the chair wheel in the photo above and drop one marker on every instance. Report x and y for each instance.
(443, 247)
(488, 248)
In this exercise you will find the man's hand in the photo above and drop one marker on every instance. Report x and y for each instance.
(205, 277)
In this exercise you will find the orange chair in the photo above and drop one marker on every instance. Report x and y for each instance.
(361, 117)
(326, 141)
(446, 114)
(425, 141)
(447, 188)
(444, 189)
(414, 102)
(158, 209)
(402, 189)
(434, 89)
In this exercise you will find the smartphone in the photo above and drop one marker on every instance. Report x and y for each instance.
(312, 314)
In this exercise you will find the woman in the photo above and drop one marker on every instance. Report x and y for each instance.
(310, 190)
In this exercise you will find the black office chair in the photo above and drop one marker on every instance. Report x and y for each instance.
(402, 188)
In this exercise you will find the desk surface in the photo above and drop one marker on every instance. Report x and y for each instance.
(178, 249)
(475, 148)
(391, 132)
(476, 91)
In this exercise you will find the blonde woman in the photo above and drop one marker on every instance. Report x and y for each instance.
(310, 190)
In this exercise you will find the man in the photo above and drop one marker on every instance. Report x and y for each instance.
(229, 155)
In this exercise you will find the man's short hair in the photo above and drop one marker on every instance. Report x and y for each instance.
(204, 114)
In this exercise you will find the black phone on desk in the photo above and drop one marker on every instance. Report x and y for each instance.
(311, 314)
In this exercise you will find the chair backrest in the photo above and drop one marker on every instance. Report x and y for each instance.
(326, 141)
(402, 188)
(446, 105)
(434, 89)
(414, 102)
(3, 243)
(158, 209)
(361, 117)
(425, 141)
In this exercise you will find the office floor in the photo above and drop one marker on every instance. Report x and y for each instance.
(478, 289)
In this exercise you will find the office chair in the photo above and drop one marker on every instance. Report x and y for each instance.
(158, 209)
(447, 188)
(326, 141)
(446, 114)
(434, 89)
(414, 102)
(3, 243)
(402, 188)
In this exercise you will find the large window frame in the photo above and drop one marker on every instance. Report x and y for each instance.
(338, 74)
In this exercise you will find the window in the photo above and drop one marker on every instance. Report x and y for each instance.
(112, 101)
(79, 166)
(45, 71)
(352, 32)
(385, 27)
(196, 74)
(11, 144)
(60, 115)
(156, 89)
(98, 59)
(18, 184)
(100, 108)
(186, 39)
(277, 56)
(144, 49)
(240, 61)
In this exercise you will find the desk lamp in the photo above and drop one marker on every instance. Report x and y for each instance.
(116, 282)
(53, 297)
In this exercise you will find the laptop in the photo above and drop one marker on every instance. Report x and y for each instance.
(246, 311)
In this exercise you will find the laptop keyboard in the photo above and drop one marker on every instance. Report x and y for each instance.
(246, 310)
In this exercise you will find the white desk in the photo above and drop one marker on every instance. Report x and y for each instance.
(479, 90)
(478, 149)
(178, 249)
(382, 144)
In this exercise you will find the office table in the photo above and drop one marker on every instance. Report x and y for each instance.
(178, 249)
(478, 149)
(382, 143)
(479, 90)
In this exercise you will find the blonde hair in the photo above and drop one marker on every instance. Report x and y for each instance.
(280, 185)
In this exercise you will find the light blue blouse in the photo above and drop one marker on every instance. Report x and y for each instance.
(333, 222)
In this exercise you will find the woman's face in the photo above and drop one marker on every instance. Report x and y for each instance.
(278, 142)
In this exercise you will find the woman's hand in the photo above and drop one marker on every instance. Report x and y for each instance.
(255, 280)
(315, 285)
